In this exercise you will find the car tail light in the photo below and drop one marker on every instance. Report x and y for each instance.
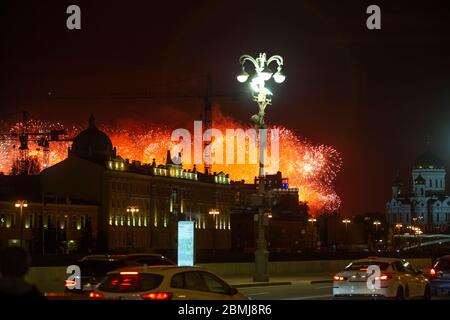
(129, 273)
(433, 272)
(157, 296)
(384, 277)
(339, 278)
(95, 295)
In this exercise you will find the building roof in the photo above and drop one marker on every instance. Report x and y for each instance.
(92, 143)
(428, 160)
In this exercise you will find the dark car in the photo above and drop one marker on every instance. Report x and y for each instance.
(439, 276)
(95, 267)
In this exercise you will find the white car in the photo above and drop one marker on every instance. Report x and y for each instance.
(165, 283)
(396, 279)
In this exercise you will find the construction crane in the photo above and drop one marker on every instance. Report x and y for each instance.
(206, 98)
(42, 139)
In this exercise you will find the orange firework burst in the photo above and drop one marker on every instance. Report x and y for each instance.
(310, 167)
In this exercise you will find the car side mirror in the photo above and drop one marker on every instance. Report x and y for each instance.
(233, 291)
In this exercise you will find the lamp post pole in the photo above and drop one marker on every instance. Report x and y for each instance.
(376, 223)
(346, 222)
(21, 204)
(214, 213)
(132, 210)
(312, 220)
(261, 93)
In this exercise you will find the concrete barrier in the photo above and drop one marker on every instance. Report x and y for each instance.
(52, 279)
(48, 279)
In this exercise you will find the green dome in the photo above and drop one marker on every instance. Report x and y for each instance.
(428, 160)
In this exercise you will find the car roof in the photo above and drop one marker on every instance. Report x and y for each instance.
(157, 269)
(379, 259)
(103, 257)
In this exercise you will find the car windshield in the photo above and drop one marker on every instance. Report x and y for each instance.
(443, 264)
(131, 282)
(97, 268)
(363, 265)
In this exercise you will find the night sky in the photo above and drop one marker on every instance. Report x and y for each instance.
(373, 95)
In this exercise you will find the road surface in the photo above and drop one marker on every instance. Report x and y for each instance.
(297, 291)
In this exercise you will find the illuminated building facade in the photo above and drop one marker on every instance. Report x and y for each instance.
(428, 205)
(51, 224)
(140, 204)
(286, 221)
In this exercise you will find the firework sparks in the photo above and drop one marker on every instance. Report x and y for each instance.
(310, 167)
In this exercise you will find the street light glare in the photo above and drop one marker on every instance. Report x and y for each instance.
(254, 85)
(267, 92)
(17, 205)
(266, 74)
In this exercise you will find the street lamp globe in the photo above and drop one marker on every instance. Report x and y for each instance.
(243, 76)
(279, 76)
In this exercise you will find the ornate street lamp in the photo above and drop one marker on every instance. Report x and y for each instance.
(376, 224)
(346, 222)
(21, 204)
(261, 96)
(312, 221)
(214, 213)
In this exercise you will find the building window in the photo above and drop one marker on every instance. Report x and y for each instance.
(115, 218)
(435, 183)
(73, 223)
